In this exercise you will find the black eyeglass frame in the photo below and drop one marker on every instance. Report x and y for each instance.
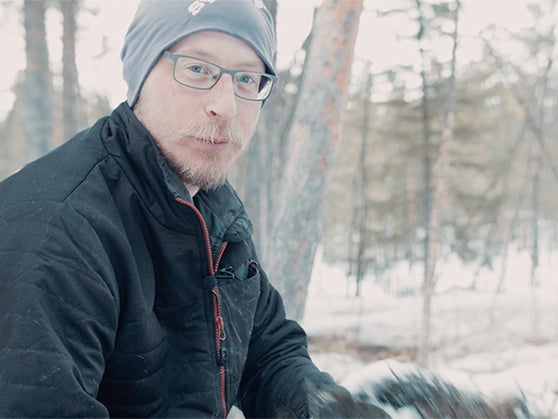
(175, 57)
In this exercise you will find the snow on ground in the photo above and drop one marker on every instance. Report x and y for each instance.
(499, 342)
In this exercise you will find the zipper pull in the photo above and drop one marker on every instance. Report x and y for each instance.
(220, 325)
(223, 356)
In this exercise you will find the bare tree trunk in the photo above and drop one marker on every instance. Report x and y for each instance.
(254, 174)
(435, 224)
(361, 219)
(427, 195)
(37, 88)
(535, 199)
(426, 134)
(313, 138)
(412, 217)
(538, 158)
(70, 93)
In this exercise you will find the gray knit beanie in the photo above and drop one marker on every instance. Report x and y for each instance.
(159, 24)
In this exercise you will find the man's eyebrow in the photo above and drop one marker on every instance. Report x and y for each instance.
(254, 65)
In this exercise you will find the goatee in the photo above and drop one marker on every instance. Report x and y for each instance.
(202, 173)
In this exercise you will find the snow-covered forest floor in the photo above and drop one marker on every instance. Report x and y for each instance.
(500, 342)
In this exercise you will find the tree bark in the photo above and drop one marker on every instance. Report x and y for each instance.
(70, 89)
(37, 88)
(312, 140)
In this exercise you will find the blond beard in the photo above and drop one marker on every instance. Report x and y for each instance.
(201, 174)
(198, 174)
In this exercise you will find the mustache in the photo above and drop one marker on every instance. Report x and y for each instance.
(212, 132)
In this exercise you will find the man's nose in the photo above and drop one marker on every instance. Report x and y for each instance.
(222, 102)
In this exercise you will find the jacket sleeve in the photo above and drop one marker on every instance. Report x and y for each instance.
(57, 314)
(279, 372)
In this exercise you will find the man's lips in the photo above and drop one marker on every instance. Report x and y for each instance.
(212, 141)
(213, 145)
(219, 141)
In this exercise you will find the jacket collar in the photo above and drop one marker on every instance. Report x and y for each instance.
(129, 142)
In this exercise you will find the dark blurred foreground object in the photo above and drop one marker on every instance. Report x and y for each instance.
(414, 392)
(334, 403)
(322, 404)
(389, 389)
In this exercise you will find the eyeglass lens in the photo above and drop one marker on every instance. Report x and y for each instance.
(200, 74)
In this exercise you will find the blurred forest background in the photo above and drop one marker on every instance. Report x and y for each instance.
(407, 163)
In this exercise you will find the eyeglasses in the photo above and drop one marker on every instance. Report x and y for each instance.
(203, 75)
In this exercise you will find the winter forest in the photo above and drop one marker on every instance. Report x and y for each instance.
(404, 207)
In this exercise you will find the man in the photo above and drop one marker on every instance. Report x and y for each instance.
(129, 283)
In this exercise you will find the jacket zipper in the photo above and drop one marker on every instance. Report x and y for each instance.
(220, 335)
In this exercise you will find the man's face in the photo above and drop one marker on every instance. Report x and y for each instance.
(201, 132)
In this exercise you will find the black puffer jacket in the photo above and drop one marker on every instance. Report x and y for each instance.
(120, 296)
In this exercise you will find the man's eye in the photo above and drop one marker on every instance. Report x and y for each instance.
(246, 78)
(196, 68)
